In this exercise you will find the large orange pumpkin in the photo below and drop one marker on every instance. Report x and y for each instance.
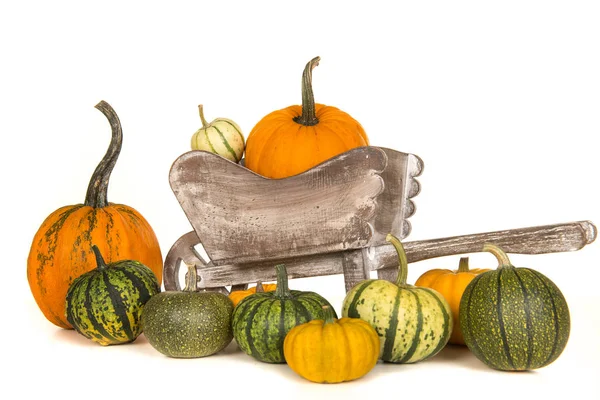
(62, 247)
(451, 285)
(292, 140)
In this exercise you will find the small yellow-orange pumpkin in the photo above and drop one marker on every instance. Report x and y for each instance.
(451, 285)
(292, 140)
(238, 295)
(62, 247)
(330, 350)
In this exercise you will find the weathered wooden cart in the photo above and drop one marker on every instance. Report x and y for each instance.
(328, 220)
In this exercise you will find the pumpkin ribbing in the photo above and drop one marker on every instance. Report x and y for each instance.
(289, 141)
(105, 304)
(514, 318)
(413, 323)
(262, 320)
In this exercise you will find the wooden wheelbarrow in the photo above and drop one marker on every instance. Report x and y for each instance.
(328, 220)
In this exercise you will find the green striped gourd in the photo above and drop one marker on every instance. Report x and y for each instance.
(514, 318)
(222, 136)
(262, 320)
(188, 323)
(105, 304)
(413, 323)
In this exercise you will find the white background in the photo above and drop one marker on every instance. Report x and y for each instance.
(501, 101)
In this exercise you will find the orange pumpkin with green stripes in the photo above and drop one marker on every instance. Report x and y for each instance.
(61, 249)
(222, 136)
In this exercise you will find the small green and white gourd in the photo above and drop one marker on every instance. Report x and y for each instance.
(222, 136)
(413, 323)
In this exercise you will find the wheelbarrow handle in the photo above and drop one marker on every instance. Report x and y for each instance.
(536, 240)
(356, 265)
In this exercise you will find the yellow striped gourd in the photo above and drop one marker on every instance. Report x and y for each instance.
(413, 323)
(222, 136)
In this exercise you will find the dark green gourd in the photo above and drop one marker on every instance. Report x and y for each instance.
(262, 320)
(106, 303)
(514, 318)
(188, 323)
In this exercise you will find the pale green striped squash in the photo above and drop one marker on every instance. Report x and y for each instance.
(514, 318)
(413, 323)
(106, 303)
(222, 136)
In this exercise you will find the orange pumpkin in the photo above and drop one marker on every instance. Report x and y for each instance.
(62, 247)
(451, 285)
(239, 295)
(292, 140)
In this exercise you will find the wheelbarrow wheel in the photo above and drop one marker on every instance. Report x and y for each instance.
(183, 250)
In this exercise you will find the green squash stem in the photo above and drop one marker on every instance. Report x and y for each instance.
(309, 113)
(191, 279)
(328, 315)
(201, 112)
(282, 291)
(100, 263)
(503, 261)
(463, 265)
(96, 195)
(403, 267)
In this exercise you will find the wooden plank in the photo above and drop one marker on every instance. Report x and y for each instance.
(395, 203)
(354, 267)
(536, 240)
(242, 217)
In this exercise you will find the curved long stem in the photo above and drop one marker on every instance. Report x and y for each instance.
(201, 112)
(309, 114)
(403, 266)
(503, 260)
(96, 195)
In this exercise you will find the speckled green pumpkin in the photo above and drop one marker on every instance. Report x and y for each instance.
(106, 303)
(413, 323)
(188, 323)
(514, 319)
(262, 320)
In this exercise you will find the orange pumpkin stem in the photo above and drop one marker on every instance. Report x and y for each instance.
(96, 195)
(403, 261)
(201, 112)
(328, 315)
(100, 263)
(463, 265)
(309, 114)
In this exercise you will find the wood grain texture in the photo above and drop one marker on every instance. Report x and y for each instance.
(354, 267)
(535, 240)
(395, 205)
(242, 217)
